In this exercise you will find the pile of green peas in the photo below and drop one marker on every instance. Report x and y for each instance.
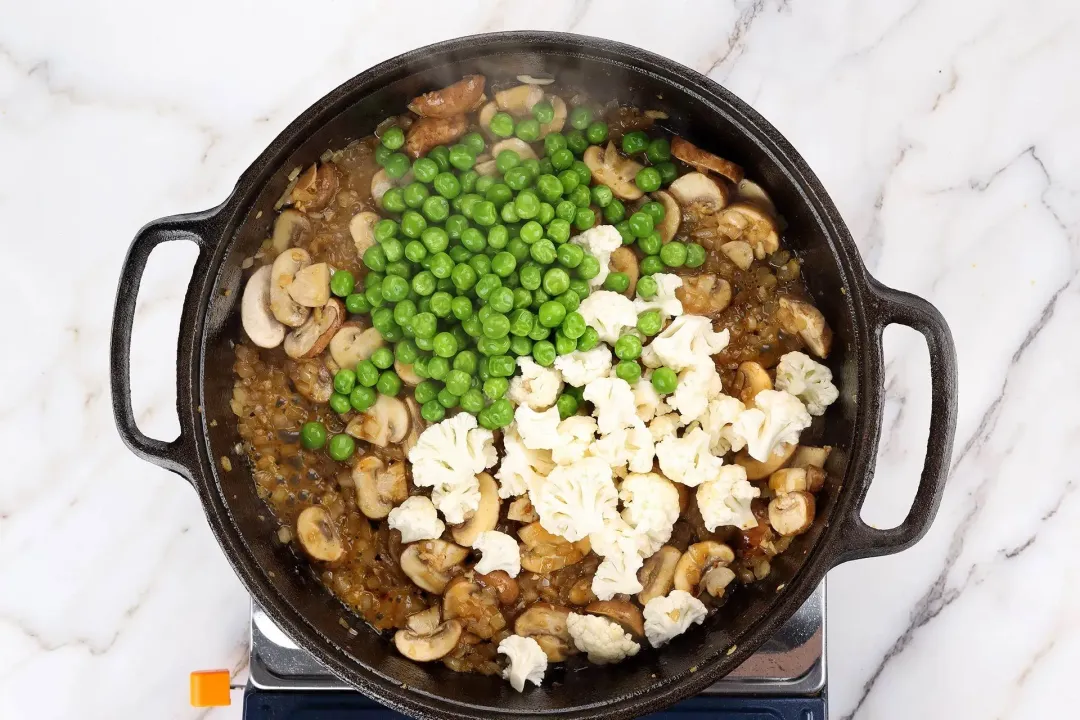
(471, 271)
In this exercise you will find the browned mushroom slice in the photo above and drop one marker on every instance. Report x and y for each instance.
(315, 188)
(611, 169)
(407, 374)
(697, 189)
(506, 587)
(311, 286)
(622, 612)
(384, 423)
(802, 318)
(522, 148)
(476, 607)
(705, 161)
(522, 510)
(290, 229)
(545, 553)
(749, 191)
(318, 535)
(757, 470)
(429, 563)
(581, 592)
(672, 215)
(362, 228)
(379, 489)
(353, 344)
(427, 133)
(417, 425)
(486, 515)
(546, 624)
(426, 647)
(456, 99)
(657, 575)
(312, 379)
(623, 260)
(698, 560)
(791, 513)
(486, 114)
(808, 456)
(519, 100)
(752, 225)
(255, 314)
(311, 338)
(750, 379)
(283, 272)
(704, 294)
(788, 480)
(381, 182)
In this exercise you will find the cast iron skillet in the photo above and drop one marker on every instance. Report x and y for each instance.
(857, 307)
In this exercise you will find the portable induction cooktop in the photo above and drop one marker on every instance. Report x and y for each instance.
(784, 680)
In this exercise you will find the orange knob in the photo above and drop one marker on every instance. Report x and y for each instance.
(210, 688)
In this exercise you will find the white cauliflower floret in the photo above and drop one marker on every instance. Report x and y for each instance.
(600, 242)
(616, 575)
(725, 499)
(717, 419)
(672, 615)
(457, 502)
(698, 384)
(499, 552)
(538, 430)
(576, 435)
(609, 313)
(452, 452)
(614, 402)
(581, 367)
(664, 426)
(776, 419)
(650, 507)
(687, 459)
(604, 640)
(528, 661)
(520, 468)
(646, 399)
(416, 519)
(687, 340)
(624, 447)
(665, 300)
(536, 386)
(807, 380)
(575, 499)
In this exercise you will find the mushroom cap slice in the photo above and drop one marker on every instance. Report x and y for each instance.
(456, 99)
(581, 592)
(672, 215)
(428, 563)
(506, 586)
(381, 182)
(478, 609)
(797, 316)
(428, 132)
(311, 338)
(698, 559)
(487, 168)
(379, 489)
(431, 646)
(486, 114)
(545, 553)
(739, 252)
(788, 480)
(521, 510)
(283, 272)
(352, 344)
(319, 535)
(657, 575)
(255, 314)
(611, 169)
(750, 192)
(698, 188)
(291, 228)
(311, 286)
(417, 425)
(362, 225)
(757, 470)
(425, 621)
(807, 456)
(791, 513)
(558, 121)
(315, 187)
(486, 515)
(520, 99)
(622, 612)
(385, 422)
(717, 579)
(751, 224)
(750, 379)
(701, 160)
(546, 624)
(522, 148)
(704, 294)
(407, 374)
(623, 260)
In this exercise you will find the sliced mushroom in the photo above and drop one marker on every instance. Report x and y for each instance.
(611, 169)
(486, 515)
(362, 226)
(428, 563)
(427, 647)
(757, 470)
(796, 317)
(739, 252)
(696, 157)
(311, 286)
(749, 191)
(478, 610)
(312, 379)
(522, 148)
(519, 100)
(697, 561)
(750, 379)
(581, 592)
(385, 422)
(315, 188)
(522, 510)
(807, 456)
(311, 338)
(427, 133)
(417, 425)
(379, 489)
(425, 621)
(717, 579)
(486, 114)
(290, 229)
(791, 513)
(505, 586)
(352, 344)
(284, 269)
(381, 182)
(623, 260)
(657, 575)
(622, 612)
(697, 188)
(545, 553)
(456, 99)
(255, 314)
(532, 80)
(788, 480)
(751, 224)
(318, 535)
(672, 215)
(558, 121)
(546, 624)
(407, 374)
(488, 168)
(704, 294)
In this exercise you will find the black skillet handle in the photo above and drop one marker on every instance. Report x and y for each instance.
(180, 454)
(857, 539)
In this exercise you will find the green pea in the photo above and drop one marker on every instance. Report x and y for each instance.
(496, 326)
(567, 405)
(461, 158)
(374, 296)
(426, 392)
(357, 304)
(466, 361)
(406, 352)
(458, 382)
(654, 209)
(445, 345)
(461, 307)
(559, 229)
(584, 219)
(551, 313)
(413, 224)
(544, 167)
(628, 347)
(563, 344)
(583, 172)
(597, 132)
(520, 345)
(518, 249)
(674, 254)
(651, 243)
(628, 370)
(385, 229)
(501, 366)
(440, 304)
(501, 300)
(362, 398)
(617, 282)
(399, 268)
(652, 265)
(580, 196)
(580, 117)
(641, 224)
(553, 143)
(649, 322)
(432, 411)
(381, 154)
(496, 387)
(498, 236)
(342, 283)
(498, 194)
(542, 251)
(502, 125)
(397, 165)
(665, 380)
(501, 413)
(527, 204)
(456, 225)
(549, 188)
(543, 112)
(393, 200)
(389, 383)
(570, 255)
(394, 250)
(569, 300)
(485, 214)
(589, 339)
(393, 138)
(659, 151)
(522, 297)
(503, 264)
(580, 287)
(562, 159)
(341, 447)
(508, 213)
(539, 298)
(573, 327)
(459, 254)
(472, 401)
(474, 143)
(438, 367)
(695, 255)
(602, 196)
(528, 130)
(589, 267)
(544, 353)
(424, 343)
(366, 373)
(425, 170)
(506, 160)
(569, 181)
(635, 142)
(424, 325)
(546, 213)
(556, 281)
(415, 193)
(668, 173)
(463, 276)
(521, 322)
(646, 287)
(382, 318)
(435, 209)
(404, 312)
(539, 332)
(423, 283)
(313, 435)
(375, 258)
(344, 381)
(517, 178)
(382, 358)
(648, 179)
(415, 251)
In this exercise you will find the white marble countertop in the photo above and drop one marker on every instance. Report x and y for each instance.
(946, 132)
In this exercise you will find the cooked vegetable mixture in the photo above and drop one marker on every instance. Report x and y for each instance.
(523, 377)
